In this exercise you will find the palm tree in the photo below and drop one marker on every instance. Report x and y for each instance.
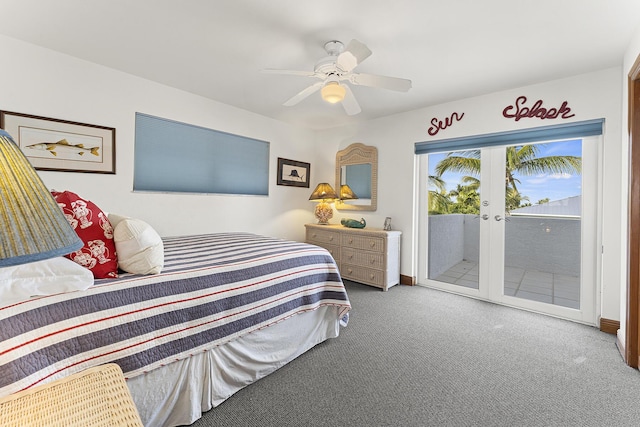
(522, 159)
(513, 199)
(439, 201)
(467, 196)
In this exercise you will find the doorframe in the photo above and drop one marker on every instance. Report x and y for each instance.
(589, 311)
(632, 328)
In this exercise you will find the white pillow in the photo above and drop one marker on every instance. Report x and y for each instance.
(47, 277)
(114, 219)
(139, 247)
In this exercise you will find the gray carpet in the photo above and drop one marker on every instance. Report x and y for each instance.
(413, 356)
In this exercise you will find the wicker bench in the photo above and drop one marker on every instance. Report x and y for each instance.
(95, 397)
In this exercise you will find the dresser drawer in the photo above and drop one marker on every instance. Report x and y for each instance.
(363, 258)
(323, 237)
(368, 243)
(362, 274)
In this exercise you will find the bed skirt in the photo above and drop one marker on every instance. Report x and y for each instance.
(178, 393)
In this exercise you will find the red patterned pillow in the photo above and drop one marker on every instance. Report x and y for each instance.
(93, 227)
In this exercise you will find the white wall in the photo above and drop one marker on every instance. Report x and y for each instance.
(630, 57)
(590, 96)
(46, 83)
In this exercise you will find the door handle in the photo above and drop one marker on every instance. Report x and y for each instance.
(498, 218)
(485, 217)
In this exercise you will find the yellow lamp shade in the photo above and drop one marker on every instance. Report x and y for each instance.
(323, 191)
(346, 193)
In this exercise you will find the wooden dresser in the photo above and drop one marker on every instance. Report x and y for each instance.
(365, 255)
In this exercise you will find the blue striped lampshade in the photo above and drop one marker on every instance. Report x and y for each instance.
(32, 225)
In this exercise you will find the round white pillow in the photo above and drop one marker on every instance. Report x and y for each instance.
(139, 247)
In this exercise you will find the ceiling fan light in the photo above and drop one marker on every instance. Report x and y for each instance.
(333, 93)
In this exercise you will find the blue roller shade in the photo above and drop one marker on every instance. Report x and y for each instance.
(543, 133)
(177, 157)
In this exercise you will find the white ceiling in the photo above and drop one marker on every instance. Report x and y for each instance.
(450, 49)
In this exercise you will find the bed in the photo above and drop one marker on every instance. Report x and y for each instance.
(226, 310)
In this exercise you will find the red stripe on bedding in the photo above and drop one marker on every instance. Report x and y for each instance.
(43, 333)
(194, 327)
(153, 307)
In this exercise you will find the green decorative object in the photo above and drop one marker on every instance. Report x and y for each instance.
(353, 223)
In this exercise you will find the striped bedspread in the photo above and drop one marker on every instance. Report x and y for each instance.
(212, 289)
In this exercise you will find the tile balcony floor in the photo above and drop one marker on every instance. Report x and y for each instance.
(551, 288)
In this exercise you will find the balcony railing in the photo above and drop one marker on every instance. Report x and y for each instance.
(542, 255)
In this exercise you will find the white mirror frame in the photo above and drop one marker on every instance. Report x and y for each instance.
(356, 154)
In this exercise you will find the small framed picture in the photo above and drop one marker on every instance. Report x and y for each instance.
(387, 223)
(293, 173)
(62, 145)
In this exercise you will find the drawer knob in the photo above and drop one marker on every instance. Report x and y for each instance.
(350, 271)
(314, 235)
(372, 244)
(330, 238)
(372, 261)
(350, 241)
(350, 256)
(371, 276)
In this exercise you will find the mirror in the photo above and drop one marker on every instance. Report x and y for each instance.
(357, 166)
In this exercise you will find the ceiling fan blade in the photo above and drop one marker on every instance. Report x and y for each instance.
(349, 103)
(354, 54)
(289, 72)
(303, 94)
(384, 82)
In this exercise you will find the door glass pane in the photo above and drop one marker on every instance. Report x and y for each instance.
(543, 199)
(453, 218)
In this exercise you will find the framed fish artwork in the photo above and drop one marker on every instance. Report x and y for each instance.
(61, 145)
(293, 173)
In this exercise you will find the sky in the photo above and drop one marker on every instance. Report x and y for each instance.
(553, 186)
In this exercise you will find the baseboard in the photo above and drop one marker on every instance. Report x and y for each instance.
(407, 280)
(609, 326)
(620, 345)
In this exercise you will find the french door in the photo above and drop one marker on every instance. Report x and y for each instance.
(516, 225)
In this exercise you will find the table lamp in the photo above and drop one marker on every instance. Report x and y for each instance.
(346, 193)
(325, 194)
(32, 225)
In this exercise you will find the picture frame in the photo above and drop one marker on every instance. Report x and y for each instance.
(61, 145)
(387, 224)
(293, 173)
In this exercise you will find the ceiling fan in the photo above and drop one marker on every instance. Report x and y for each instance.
(335, 70)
